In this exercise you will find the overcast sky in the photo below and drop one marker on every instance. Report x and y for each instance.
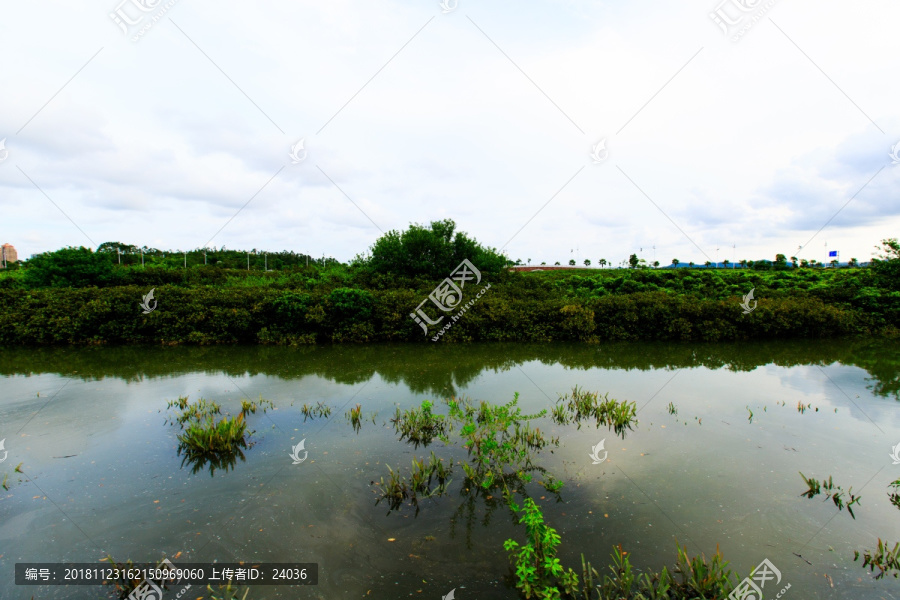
(486, 114)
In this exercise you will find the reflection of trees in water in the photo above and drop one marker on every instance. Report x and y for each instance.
(440, 369)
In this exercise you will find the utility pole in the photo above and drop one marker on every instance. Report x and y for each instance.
(185, 260)
(119, 252)
(248, 261)
(267, 262)
(204, 256)
(142, 257)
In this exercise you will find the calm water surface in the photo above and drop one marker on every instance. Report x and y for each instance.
(102, 474)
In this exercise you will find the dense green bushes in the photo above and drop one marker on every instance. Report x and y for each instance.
(316, 314)
(76, 296)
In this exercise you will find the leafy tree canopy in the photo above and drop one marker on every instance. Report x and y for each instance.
(432, 251)
(75, 267)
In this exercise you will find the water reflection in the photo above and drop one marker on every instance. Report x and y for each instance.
(442, 369)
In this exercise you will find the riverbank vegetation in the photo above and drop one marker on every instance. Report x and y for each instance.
(76, 296)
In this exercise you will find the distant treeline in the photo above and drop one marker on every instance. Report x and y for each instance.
(76, 296)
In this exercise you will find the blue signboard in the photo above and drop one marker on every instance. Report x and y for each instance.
(832, 253)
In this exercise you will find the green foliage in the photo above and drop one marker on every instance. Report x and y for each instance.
(615, 304)
(500, 443)
(319, 410)
(886, 560)
(582, 405)
(69, 267)
(432, 252)
(836, 493)
(420, 426)
(398, 490)
(207, 440)
(540, 574)
(538, 571)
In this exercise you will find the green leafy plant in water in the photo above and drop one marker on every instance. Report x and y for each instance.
(420, 426)
(538, 572)
(671, 408)
(886, 560)
(894, 496)
(208, 439)
(250, 407)
(319, 410)
(497, 438)
(836, 493)
(397, 490)
(581, 405)
(354, 415)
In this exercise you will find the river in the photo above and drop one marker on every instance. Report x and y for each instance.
(101, 474)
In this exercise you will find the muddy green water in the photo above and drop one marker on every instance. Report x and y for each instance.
(704, 476)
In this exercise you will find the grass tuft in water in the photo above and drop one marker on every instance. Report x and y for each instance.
(420, 425)
(354, 415)
(581, 405)
(398, 490)
(886, 560)
(312, 412)
(209, 439)
(836, 493)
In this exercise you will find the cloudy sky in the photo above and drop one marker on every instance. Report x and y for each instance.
(173, 128)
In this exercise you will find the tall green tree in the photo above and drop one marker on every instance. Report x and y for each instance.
(69, 267)
(633, 261)
(432, 251)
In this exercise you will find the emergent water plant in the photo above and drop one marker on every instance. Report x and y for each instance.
(581, 405)
(538, 573)
(836, 493)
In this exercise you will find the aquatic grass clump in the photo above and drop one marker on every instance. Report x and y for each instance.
(894, 496)
(319, 410)
(420, 426)
(836, 493)
(250, 407)
(886, 560)
(354, 415)
(581, 405)
(209, 439)
(397, 490)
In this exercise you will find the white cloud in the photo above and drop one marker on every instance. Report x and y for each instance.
(749, 144)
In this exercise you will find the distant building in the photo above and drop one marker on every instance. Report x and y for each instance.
(8, 254)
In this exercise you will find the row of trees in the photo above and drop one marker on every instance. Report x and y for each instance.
(780, 262)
